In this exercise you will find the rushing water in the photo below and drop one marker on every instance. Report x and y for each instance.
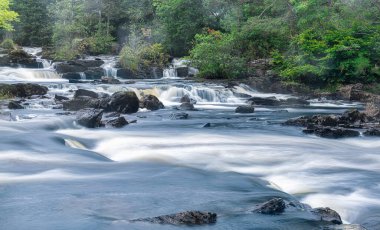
(57, 175)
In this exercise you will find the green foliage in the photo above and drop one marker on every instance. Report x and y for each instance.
(7, 16)
(34, 27)
(8, 44)
(142, 56)
(181, 21)
(100, 44)
(217, 56)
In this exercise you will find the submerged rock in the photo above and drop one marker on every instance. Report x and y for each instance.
(333, 133)
(186, 106)
(118, 122)
(328, 215)
(90, 118)
(266, 101)
(15, 105)
(274, 206)
(61, 98)
(85, 103)
(152, 103)
(188, 99)
(245, 109)
(179, 116)
(85, 93)
(372, 133)
(191, 218)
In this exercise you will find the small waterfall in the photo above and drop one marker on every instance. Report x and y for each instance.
(109, 66)
(36, 51)
(201, 93)
(21, 74)
(82, 76)
(170, 73)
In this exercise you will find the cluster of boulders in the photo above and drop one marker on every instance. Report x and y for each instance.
(21, 90)
(349, 124)
(75, 70)
(91, 107)
(276, 206)
(18, 58)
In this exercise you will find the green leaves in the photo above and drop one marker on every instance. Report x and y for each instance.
(7, 16)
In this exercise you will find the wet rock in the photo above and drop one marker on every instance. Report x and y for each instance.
(245, 109)
(335, 133)
(85, 102)
(372, 112)
(182, 71)
(186, 106)
(112, 115)
(124, 102)
(188, 99)
(110, 80)
(179, 116)
(88, 63)
(72, 76)
(274, 206)
(242, 95)
(125, 74)
(264, 101)
(294, 101)
(85, 93)
(191, 218)
(94, 73)
(61, 98)
(19, 57)
(151, 102)
(119, 122)
(328, 215)
(353, 116)
(15, 105)
(90, 118)
(372, 133)
(22, 90)
(69, 67)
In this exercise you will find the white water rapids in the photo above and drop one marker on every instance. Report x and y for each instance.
(55, 173)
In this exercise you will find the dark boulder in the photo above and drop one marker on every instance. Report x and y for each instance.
(22, 90)
(21, 58)
(15, 105)
(85, 93)
(372, 111)
(187, 99)
(90, 118)
(274, 206)
(124, 102)
(94, 73)
(186, 106)
(179, 116)
(118, 122)
(126, 74)
(245, 109)
(372, 133)
(85, 102)
(191, 218)
(69, 67)
(207, 125)
(353, 116)
(110, 80)
(61, 98)
(264, 101)
(72, 76)
(152, 103)
(88, 63)
(182, 71)
(294, 102)
(328, 215)
(334, 133)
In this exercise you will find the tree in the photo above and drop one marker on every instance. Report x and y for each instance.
(181, 21)
(7, 16)
(34, 27)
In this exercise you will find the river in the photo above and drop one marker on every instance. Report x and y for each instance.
(55, 174)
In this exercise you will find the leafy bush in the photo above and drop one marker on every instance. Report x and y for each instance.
(333, 57)
(216, 56)
(8, 44)
(99, 44)
(143, 56)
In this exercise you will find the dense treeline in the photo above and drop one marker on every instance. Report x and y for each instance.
(309, 41)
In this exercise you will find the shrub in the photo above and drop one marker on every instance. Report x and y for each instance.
(143, 56)
(99, 44)
(216, 56)
(8, 44)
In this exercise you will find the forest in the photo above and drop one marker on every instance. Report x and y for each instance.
(314, 42)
